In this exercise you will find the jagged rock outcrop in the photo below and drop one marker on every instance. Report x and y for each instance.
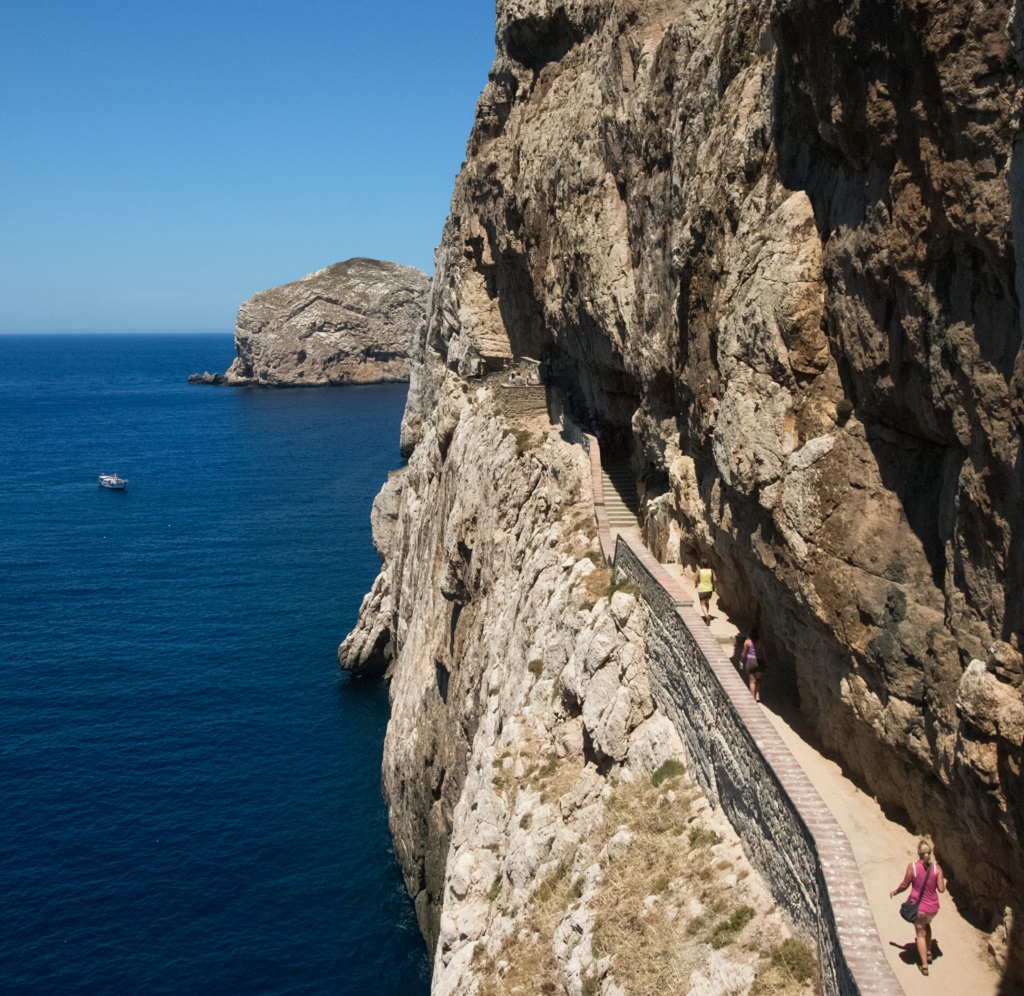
(353, 322)
(523, 735)
(766, 250)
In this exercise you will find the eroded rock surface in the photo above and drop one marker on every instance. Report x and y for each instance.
(765, 249)
(353, 322)
(523, 735)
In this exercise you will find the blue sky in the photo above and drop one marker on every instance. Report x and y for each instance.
(162, 162)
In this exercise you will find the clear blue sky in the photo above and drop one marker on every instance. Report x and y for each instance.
(161, 162)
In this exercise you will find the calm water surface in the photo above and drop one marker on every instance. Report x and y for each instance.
(191, 791)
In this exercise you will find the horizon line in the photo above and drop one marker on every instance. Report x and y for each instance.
(116, 332)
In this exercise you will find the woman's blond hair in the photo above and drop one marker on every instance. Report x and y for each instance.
(924, 848)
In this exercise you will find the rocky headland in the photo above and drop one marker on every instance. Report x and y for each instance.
(350, 323)
(765, 251)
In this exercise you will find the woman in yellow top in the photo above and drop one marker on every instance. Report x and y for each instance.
(705, 580)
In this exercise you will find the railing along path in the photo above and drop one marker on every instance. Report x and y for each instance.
(742, 763)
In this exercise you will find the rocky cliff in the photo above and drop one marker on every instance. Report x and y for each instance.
(353, 322)
(766, 250)
(541, 853)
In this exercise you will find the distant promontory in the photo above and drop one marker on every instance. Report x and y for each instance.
(350, 323)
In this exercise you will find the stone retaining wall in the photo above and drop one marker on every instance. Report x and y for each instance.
(743, 765)
(522, 400)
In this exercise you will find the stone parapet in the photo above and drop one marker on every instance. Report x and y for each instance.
(743, 765)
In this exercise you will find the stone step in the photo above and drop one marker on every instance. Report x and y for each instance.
(618, 486)
(613, 497)
(619, 506)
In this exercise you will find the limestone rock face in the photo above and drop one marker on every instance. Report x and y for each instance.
(353, 322)
(477, 582)
(766, 250)
(523, 733)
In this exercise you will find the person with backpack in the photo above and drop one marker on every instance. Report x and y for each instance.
(753, 663)
(926, 880)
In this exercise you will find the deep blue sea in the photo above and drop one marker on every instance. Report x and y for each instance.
(190, 795)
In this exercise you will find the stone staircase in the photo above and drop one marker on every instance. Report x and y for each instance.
(621, 502)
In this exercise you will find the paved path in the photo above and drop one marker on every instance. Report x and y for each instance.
(881, 847)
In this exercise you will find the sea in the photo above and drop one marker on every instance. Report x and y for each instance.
(189, 787)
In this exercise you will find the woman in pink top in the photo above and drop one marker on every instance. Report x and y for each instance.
(926, 880)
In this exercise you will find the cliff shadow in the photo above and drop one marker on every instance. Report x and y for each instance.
(1013, 619)
(600, 397)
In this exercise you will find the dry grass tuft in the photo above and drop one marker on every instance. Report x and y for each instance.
(595, 585)
(640, 910)
(524, 439)
(725, 930)
(554, 777)
(582, 520)
(669, 770)
(643, 943)
(786, 970)
(579, 545)
(504, 777)
(531, 967)
(623, 584)
(702, 837)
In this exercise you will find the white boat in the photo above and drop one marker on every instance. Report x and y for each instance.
(113, 481)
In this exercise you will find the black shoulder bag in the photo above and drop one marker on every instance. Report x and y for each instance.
(908, 910)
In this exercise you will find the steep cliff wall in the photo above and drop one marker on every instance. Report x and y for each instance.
(766, 250)
(541, 854)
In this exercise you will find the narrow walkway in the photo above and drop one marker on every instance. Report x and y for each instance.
(882, 848)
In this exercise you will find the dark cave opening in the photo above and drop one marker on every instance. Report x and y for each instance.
(535, 41)
(601, 399)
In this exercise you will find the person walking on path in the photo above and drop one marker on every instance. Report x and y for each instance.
(752, 663)
(926, 881)
(705, 580)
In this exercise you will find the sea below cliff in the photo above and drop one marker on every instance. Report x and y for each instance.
(191, 791)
